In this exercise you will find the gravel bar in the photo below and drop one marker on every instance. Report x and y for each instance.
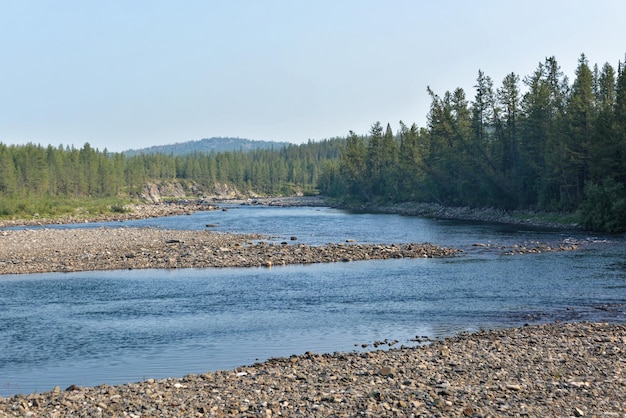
(69, 250)
(551, 370)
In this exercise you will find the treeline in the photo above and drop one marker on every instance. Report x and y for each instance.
(270, 172)
(539, 143)
(37, 171)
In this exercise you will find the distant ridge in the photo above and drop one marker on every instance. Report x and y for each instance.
(208, 145)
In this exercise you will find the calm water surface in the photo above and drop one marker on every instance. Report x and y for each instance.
(119, 326)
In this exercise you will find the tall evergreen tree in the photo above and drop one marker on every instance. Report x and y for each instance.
(353, 165)
(389, 170)
(506, 116)
(542, 153)
(577, 141)
(375, 161)
(8, 178)
(411, 165)
(604, 148)
(443, 155)
(482, 109)
(619, 123)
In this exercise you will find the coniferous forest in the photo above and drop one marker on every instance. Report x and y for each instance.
(539, 142)
(33, 172)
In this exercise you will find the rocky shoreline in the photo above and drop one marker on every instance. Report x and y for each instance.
(310, 201)
(131, 212)
(161, 209)
(437, 211)
(576, 369)
(68, 250)
(186, 207)
(551, 370)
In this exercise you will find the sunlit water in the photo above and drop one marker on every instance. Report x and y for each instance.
(120, 326)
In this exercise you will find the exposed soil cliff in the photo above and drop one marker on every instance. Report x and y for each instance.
(175, 189)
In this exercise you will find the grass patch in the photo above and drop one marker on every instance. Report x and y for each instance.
(12, 208)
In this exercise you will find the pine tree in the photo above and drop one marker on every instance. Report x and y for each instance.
(506, 116)
(482, 109)
(389, 170)
(375, 160)
(8, 179)
(411, 165)
(577, 141)
(443, 155)
(619, 123)
(604, 147)
(353, 165)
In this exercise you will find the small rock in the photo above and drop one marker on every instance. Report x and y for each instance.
(386, 371)
(468, 412)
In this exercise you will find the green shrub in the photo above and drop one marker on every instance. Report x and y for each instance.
(25, 207)
(7, 208)
(604, 207)
(118, 209)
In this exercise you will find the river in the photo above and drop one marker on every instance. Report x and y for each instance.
(121, 326)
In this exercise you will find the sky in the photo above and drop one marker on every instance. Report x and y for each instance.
(128, 74)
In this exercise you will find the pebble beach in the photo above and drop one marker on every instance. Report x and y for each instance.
(550, 370)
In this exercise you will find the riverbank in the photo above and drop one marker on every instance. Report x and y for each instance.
(555, 370)
(163, 209)
(492, 215)
(427, 210)
(130, 212)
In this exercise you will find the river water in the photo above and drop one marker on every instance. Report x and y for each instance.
(122, 326)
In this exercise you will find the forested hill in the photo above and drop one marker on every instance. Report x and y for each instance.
(208, 145)
(539, 142)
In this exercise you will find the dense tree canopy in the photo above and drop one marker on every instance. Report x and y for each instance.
(34, 170)
(546, 144)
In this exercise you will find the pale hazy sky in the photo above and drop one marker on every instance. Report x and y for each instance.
(123, 74)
